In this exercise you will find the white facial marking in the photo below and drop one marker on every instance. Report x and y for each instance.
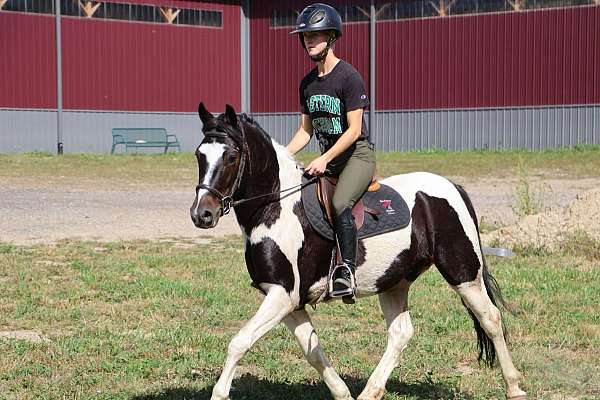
(213, 153)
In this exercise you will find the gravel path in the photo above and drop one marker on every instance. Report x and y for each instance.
(42, 215)
(29, 216)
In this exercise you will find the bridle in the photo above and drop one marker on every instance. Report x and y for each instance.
(227, 201)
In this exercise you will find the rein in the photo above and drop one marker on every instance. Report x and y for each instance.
(227, 201)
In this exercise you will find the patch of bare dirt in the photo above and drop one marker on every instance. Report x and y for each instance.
(552, 227)
(28, 336)
(33, 213)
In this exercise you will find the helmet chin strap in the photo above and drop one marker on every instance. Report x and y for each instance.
(322, 55)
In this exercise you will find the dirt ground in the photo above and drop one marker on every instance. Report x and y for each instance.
(38, 213)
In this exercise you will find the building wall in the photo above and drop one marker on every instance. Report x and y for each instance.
(500, 80)
(512, 59)
(534, 128)
(508, 59)
(89, 131)
(28, 61)
(121, 65)
(278, 61)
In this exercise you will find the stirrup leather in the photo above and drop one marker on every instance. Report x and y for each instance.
(350, 286)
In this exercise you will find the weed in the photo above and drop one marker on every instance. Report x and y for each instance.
(6, 248)
(580, 243)
(527, 199)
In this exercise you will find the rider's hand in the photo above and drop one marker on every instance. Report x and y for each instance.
(317, 166)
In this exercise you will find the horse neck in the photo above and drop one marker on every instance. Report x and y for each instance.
(270, 169)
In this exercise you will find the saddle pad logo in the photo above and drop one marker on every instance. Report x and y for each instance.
(387, 204)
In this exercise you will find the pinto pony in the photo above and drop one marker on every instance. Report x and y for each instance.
(241, 167)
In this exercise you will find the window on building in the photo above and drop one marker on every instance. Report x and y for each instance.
(32, 6)
(284, 18)
(463, 7)
(70, 7)
(397, 10)
(118, 11)
(532, 4)
(144, 13)
(114, 11)
(407, 10)
(493, 6)
(211, 18)
(41, 6)
(350, 13)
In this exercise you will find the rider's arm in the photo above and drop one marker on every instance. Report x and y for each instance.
(302, 136)
(353, 132)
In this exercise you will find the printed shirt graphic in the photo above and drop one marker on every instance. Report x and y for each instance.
(327, 99)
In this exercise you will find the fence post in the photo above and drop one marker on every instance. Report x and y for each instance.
(59, 102)
(373, 65)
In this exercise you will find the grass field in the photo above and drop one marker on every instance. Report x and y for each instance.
(179, 169)
(152, 320)
(149, 320)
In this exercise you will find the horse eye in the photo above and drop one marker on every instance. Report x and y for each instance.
(231, 158)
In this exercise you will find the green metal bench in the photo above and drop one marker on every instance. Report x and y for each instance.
(143, 137)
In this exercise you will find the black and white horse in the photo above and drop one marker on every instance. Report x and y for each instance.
(289, 262)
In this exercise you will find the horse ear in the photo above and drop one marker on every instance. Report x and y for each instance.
(206, 117)
(231, 116)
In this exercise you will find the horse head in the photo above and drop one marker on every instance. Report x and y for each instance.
(222, 158)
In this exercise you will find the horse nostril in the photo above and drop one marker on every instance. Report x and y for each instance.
(207, 216)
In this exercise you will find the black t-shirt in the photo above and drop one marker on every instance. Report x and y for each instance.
(327, 99)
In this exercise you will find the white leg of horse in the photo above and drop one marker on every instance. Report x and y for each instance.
(394, 305)
(276, 305)
(476, 298)
(301, 326)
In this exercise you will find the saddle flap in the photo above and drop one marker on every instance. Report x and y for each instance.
(325, 190)
(383, 211)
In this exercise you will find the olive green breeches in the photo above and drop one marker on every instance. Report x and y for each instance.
(355, 177)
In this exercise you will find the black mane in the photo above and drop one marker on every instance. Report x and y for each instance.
(223, 125)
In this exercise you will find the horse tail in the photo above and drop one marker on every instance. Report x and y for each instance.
(487, 352)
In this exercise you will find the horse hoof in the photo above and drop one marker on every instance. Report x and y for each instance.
(519, 397)
(371, 394)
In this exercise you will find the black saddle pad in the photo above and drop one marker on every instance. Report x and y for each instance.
(393, 212)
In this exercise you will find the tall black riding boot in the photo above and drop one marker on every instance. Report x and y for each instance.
(344, 283)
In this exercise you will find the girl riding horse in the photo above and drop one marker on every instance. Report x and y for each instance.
(332, 100)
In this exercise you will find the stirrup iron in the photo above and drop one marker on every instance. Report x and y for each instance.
(349, 290)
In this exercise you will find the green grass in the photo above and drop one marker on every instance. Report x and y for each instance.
(147, 320)
(180, 170)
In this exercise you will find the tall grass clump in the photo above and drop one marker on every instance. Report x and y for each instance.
(528, 199)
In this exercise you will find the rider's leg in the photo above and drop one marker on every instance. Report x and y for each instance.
(352, 183)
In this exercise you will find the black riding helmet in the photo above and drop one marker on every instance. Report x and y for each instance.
(319, 17)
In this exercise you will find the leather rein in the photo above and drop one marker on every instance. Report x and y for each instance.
(227, 201)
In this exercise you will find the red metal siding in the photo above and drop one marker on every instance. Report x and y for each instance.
(545, 57)
(121, 65)
(118, 65)
(278, 61)
(27, 61)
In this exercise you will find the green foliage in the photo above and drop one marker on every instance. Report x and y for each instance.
(6, 248)
(528, 199)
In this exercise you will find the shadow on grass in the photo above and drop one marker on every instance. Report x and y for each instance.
(249, 387)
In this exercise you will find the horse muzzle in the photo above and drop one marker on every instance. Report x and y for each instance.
(205, 213)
